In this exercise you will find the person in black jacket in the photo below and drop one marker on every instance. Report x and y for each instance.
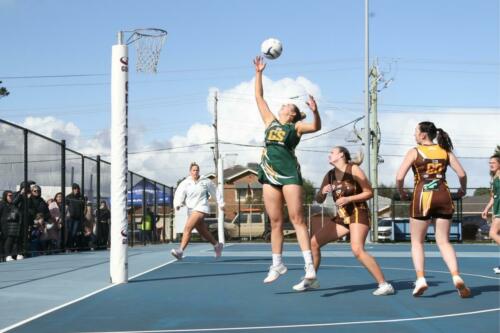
(41, 213)
(10, 220)
(103, 219)
(23, 203)
(75, 204)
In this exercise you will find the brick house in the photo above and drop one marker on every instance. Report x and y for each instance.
(242, 190)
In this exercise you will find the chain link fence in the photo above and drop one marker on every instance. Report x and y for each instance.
(29, 160)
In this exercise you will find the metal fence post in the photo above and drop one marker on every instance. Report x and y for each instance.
(98, 204)
(63, 191)
(25, 227)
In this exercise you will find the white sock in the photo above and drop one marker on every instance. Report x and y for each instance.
(308, 259)
(180, 250)
(277, 259)
(457, 279)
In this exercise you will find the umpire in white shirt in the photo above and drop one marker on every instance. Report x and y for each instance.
(193, 192)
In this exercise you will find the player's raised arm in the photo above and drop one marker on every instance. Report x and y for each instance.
(265, 112)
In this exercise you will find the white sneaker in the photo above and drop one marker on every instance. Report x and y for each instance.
(384, 289)
(9, 258)
(496, 270)
(420, 287)
(275, 272)
(218, 250)
(462, 289)
(176, 253)
(306, 284)
(310, 272)
(19, 257)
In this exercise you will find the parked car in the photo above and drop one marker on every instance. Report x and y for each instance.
(385, 229)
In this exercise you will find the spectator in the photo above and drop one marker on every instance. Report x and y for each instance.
(55, 224)
(103, 219)
(75, 213)
(88, 238)
(23, 204)
(146, 226)
(10, 220)
(39, 236)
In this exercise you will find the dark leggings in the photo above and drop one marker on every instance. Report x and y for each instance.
(10, 246)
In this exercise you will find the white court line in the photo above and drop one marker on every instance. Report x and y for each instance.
(247, 328)
(25, 321)
(343, 266)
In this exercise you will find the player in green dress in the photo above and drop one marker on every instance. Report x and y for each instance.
(494, 202)
(279, 172)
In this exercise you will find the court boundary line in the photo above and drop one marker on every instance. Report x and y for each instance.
(345, 266)
(248, 328)
(46, 312)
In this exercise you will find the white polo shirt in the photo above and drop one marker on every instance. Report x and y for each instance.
(194, 194)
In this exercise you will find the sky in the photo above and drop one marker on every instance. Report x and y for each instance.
(440, 58)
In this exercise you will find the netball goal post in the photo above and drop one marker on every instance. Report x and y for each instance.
(148, 44)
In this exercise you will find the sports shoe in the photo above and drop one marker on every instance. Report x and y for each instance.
(176, 253)
(462, 289)
(19, 257)
(496, 270)
(9, 258)
(275, 272)
(310, 272)
(306, 284)
(218, 249)
(384, 289)
(420, 287)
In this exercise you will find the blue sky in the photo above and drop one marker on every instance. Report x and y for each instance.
(443, 56)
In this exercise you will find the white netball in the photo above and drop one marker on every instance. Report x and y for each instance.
(271, 48)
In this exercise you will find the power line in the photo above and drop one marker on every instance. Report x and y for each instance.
(332, 130)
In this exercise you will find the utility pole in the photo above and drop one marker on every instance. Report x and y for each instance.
(366, 134)
(374, 146)
(216, 135)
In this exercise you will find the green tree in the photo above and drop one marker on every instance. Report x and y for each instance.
(308, 191)
(386, 190)
(3, 91)
(481, 191)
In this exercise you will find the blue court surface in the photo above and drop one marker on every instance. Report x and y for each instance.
(71, 292)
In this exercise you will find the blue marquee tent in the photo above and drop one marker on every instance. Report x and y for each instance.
(135, 196)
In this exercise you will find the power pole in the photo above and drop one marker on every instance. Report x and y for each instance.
(374, 146)
(366, 134)
(216, 135)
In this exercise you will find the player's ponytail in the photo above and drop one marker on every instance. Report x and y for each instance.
(444, 140)
(432, 132)
(298, 115)
(347, 156)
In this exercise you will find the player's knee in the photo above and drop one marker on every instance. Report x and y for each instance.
(314, 245)
(357, 250)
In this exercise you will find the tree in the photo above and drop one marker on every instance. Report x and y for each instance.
(481, 191)
(308, 191)
(3, 91)
(386, 190)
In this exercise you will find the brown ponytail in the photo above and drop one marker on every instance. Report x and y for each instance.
(443, 139)
(298, 115)
(347, 156)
